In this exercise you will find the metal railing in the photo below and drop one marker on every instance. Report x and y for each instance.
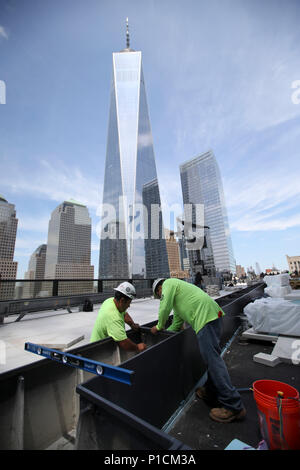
(19, 289)
(23, 296)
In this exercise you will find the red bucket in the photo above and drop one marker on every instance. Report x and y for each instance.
(278, 409)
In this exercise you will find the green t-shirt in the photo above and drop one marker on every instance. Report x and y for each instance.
(189, 304)
(109, 323)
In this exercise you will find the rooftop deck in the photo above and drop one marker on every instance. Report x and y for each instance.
(192, 427)
(196, 429)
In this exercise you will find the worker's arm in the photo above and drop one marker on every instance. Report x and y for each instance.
(129, 345)
(176, 323)
(130, 322)
(166, 305)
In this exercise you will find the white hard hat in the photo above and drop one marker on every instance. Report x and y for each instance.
(154, 285)
(127, 289)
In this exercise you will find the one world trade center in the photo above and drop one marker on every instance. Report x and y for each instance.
(132, 241)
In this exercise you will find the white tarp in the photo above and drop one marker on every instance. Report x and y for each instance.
(272, 315)
(277, 291)
(279, 280)
(278, 285)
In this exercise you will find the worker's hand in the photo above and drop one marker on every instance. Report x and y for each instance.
(135, 326)
(141, 347)
(154, 330)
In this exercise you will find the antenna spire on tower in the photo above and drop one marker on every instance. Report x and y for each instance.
(127, 34)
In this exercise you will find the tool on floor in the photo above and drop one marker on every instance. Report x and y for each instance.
(98, 368)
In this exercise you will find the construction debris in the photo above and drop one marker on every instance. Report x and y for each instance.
(213, 290)
(266, 359)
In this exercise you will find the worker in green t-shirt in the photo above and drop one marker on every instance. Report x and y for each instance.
(192, 305)
(112, 317)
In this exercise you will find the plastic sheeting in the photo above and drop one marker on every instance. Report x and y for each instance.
(278, 285)
(277, 291)
(271, 315)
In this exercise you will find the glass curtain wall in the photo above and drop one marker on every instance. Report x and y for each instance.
(130, 165)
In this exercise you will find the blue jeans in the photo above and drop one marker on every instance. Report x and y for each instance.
(218, 384)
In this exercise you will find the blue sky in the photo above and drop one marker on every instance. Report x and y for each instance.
(218, 75)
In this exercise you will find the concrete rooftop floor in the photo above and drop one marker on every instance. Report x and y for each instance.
(53, 327)
(60, 327)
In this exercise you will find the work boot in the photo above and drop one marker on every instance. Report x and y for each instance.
(202, 394)
(223, 415)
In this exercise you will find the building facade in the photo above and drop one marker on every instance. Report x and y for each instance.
(131, 198)
(35, 271)
(8, 233)
(201, 184)
(174, 258)
(240, 271)
(293, 263)
(68, 253)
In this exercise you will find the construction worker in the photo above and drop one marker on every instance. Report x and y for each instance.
(192, 305)
(112, 317)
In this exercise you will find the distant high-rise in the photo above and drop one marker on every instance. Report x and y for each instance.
(127, 248)
(35, 271)
(174, 258)
(240, 271)
(8, 232)
(69, 247)
(201, 184)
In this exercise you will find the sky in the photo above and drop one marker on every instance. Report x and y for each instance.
(219, 74)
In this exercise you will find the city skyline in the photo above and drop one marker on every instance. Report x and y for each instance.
(220, 76)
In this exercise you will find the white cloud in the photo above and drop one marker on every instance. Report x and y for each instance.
(57, 182)
(267, 202)
(3, 33)
(34, 224)
(25, 247)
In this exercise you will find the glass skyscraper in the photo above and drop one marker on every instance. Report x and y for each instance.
(8, 232)
(201, 184)
(130, 182)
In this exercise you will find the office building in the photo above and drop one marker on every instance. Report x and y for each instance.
(8, 232)
(35, 271)
(293, 263)
(201, 184)
(173, 250)
(128, 248)
(240, 271)
(68, 253)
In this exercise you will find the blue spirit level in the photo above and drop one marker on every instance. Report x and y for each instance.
(98, 368)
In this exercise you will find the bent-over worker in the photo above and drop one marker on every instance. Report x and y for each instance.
(112, 317)
(192, 305)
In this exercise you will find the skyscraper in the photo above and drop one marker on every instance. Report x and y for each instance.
(130, 183)
(69, 247)
(201, 184)
(173, 249)
(36, 270)
(8, 232)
